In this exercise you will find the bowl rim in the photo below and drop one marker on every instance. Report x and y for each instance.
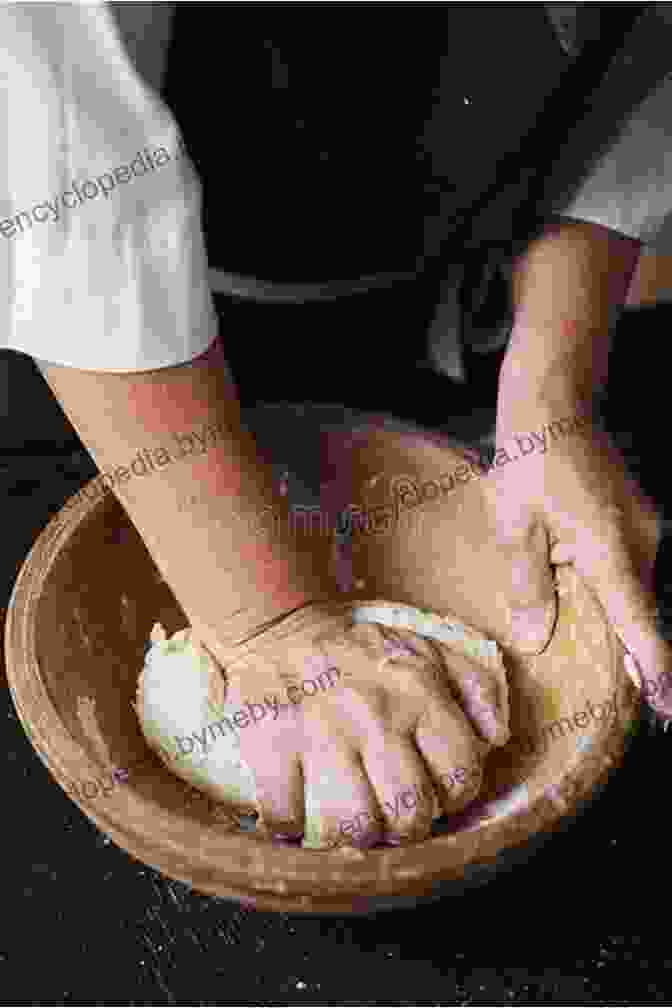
(258, 872)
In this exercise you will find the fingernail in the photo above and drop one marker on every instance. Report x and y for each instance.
(656, 692)
(661, 702)
(286, 838)
(394, 839)
(532, 629)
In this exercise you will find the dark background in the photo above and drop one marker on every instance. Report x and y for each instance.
(584, 921)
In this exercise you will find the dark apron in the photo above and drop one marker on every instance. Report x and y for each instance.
(329, 137)
(417, 145)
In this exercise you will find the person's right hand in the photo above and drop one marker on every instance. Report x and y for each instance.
(387, 713)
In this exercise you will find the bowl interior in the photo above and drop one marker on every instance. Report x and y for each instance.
(78, 629)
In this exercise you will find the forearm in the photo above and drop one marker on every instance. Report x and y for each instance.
(566, 288)
(201, 516)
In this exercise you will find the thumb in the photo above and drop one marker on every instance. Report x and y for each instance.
(531, 601)
(621, 579)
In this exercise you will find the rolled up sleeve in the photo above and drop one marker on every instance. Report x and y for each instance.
(102, 258)
(628, 187)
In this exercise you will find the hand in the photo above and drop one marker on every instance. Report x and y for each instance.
(384, 715)
(569, 499)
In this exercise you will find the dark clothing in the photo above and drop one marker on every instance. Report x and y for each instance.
(427, 142)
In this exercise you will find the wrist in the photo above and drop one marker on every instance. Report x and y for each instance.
(234, 641)
(552, 371)
(282, 581)
(566, 290)
(282, 569)
(539, 406)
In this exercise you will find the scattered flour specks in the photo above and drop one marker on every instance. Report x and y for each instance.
(515, 801)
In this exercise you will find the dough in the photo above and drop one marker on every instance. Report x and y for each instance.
(182, 694)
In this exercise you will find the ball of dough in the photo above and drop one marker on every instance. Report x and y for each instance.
(180, 698)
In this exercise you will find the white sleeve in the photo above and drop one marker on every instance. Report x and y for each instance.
(102, 258)
(630, 188)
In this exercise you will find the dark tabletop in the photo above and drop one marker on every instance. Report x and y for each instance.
(582, 922)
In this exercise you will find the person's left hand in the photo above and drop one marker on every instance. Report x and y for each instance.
(566, 496)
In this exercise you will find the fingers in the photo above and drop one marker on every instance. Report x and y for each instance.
(453, 754)
(612, 563)
(482, 690)
(403, 790)
(279, 785)
(340, 805)
(390, 795)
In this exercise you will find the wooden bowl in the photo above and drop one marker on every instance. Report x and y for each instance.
(77, 630)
